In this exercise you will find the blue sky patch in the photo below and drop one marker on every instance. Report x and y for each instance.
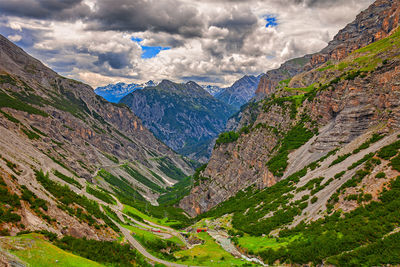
(136, 39)
(149, 51)
(152, 51)
(271, 21)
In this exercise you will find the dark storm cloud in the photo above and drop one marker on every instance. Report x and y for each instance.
(204, 79)
(115, 60)
(322, 3)
(45, 9)
(147, 15)
(239, 23)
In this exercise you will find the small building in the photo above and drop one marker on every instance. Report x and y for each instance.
(199, 230)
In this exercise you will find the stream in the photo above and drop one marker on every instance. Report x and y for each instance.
(223, 240)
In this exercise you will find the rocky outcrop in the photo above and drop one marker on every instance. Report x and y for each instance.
(270, 79)
(185, 116)
(373, 24)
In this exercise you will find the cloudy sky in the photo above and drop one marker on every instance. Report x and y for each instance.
(208, 41)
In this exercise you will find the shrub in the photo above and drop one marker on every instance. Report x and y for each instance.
(313, 200)
(227, 137)
(106, 252)
(339, 175)
(100, 195)
(294, 138)
(361, 161)
(395, 163)
(389, 151)
(67, 179)
(380, 175)
(340, 159)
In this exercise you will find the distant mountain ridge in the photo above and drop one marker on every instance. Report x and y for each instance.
(240, 92)
(212, 89)
(184, 116)
(114, 92)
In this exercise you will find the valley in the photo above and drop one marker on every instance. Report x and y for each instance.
(299, 166)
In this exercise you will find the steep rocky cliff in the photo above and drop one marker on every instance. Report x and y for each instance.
(371, 25)
(310, 114)
(59, 126)
(240, 92)
(185, 116)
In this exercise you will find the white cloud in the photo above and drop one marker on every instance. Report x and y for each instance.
(15, 37)
(222, 40)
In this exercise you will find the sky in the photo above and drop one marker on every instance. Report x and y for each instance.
(208, 41)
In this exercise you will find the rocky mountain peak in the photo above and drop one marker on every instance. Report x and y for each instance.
(240, 92)
(373, 24)
(184, 115)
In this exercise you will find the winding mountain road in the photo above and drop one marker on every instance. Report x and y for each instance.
(143, 251)
(138, 246)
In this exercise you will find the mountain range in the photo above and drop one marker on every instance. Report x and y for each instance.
(114, 92)
(184, 116)
(183, 127)
(240, 92)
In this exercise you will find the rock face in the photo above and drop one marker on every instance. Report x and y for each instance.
(114, 92)
(271, 78)
(51, 123)
(185, 116)
(371, 25)
(240, 92)
(343, 98)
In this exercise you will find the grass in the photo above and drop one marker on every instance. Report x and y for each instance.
(14, 103)
(168, 168)
(9, 117)
(208, 254)
(255, 244)
(31, 135)
(39, 252)
(129, 209)
(111, 157)
(149, 235)
(164, 222)
(142, 179)
(303, 89)
(139, 232)
(101, 195)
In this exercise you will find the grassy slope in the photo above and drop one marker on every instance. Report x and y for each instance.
(39, 252)
(164, 222)
(257, 243)
(208, 254)
(149, 235)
